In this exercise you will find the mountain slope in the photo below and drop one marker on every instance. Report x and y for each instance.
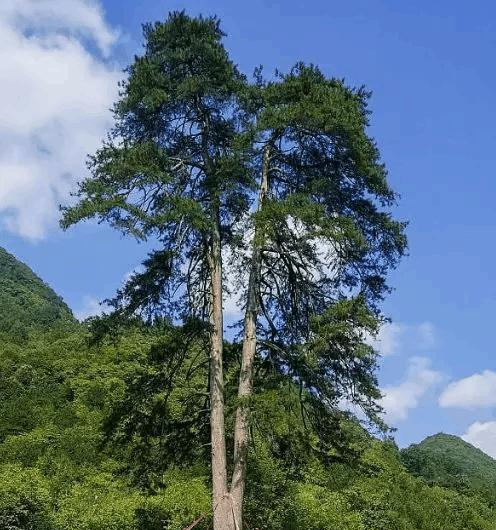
(61, 396)
(26, 302)
(448, 461)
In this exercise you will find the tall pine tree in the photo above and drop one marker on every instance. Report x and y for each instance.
(171, 171)
(310, 248)
(323, 241)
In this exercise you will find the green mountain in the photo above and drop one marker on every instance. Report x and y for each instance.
(448, 461)
(26, 302)
(112, 435)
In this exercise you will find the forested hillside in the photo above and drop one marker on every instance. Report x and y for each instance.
(448, 461)
(114, 435)
(26, 302)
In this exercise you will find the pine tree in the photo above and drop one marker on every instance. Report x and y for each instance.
(171, 171)
(323, 241)
(310, 248)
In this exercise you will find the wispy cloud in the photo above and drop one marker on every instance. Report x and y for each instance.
(90, 307)
(426, 335)
(399, 400)
(387, 341)
(397, 337)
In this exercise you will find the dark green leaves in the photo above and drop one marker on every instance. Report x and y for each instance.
(191, 139)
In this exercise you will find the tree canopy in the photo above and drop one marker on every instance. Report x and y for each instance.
(283, 176)
(266, 189)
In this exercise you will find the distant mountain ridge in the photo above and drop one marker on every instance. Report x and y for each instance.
(26, 302)
(448, 461)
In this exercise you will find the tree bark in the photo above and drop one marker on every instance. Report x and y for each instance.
(241, 429)
(221, 505)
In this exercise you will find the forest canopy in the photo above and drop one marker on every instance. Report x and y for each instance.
(90, 440)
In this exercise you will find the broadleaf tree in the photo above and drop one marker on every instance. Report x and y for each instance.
(310, 248)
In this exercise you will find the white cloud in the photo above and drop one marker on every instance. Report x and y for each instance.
(426, 335)
(55, 97)
(387, 341)
(90, 307)
(398, 400)
(394, 338)
(472, 392)
(82, 17)
(483, 436)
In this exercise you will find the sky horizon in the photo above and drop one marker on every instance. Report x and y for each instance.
(429, 68)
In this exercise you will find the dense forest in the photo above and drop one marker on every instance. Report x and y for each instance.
(27, 303)
(107, 434)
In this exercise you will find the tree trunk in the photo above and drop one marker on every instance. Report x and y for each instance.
(241, 430)
(221, 505)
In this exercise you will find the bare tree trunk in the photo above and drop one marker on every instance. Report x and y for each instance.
(241, 430)
(221, 502)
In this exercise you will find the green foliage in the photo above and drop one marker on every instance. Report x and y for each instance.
(393, 499)
(24, 500)
(57, 472)
(113, 433)
(449, 461)
(163, 416)
(26, 303)
(101, 502)
(172, 168)
(315, 507)
(181, 166)
(184, 497)
(379, 495)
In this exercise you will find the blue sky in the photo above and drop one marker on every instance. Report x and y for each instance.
(430, 67)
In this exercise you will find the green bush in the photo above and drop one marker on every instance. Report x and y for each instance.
(185, 498)
(24, 500)
(101, 502)
(317, 508)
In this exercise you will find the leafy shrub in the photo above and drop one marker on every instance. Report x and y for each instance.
(185, 498)
(99, 503)
(24, 500)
